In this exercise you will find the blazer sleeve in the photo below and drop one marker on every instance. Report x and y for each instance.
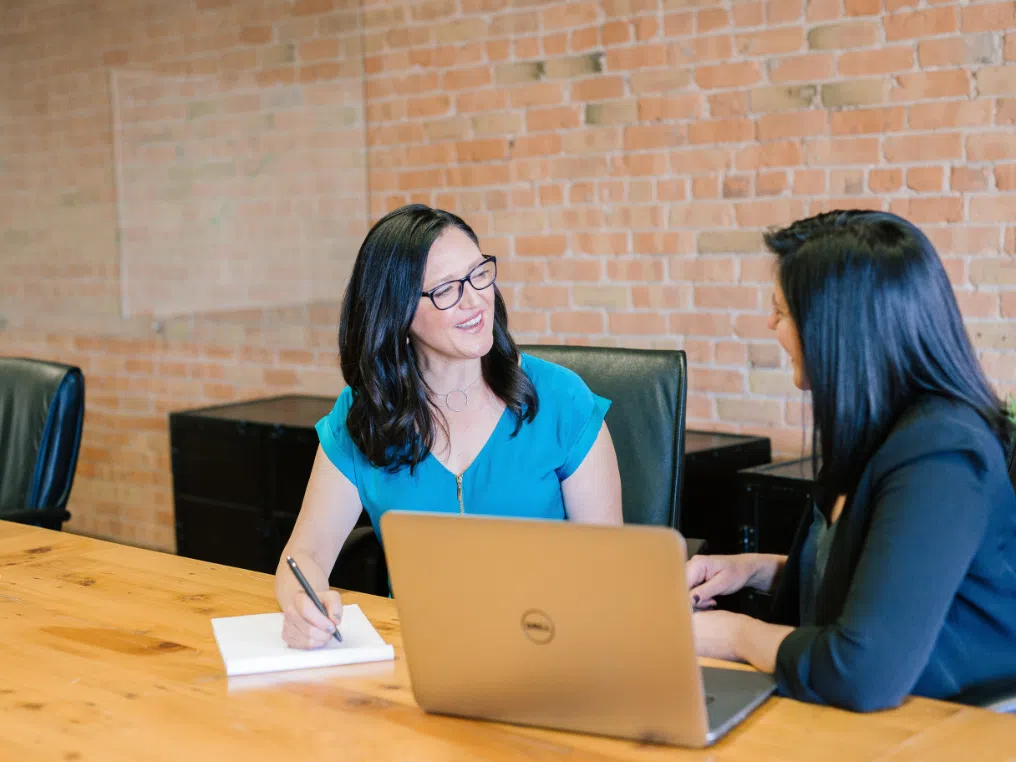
(928, 519)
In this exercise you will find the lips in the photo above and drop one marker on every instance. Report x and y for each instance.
(472, 322)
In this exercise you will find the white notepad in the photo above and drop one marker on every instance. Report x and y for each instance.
(252, 644)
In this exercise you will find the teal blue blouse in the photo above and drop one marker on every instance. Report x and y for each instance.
(516, 476)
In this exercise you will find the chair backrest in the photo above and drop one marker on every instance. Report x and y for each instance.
(42, 407)
(648, 389)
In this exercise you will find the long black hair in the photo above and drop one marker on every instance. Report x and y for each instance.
(391, 419)
(879, 327)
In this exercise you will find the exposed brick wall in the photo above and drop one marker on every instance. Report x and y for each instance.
(619, 156)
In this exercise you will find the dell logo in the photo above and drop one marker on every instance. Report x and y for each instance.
(538, 627)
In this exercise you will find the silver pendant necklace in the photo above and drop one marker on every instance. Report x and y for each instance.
(457, 399)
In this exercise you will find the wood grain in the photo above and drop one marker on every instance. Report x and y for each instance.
(107, 653)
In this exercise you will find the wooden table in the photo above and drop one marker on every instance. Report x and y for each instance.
(107, 653)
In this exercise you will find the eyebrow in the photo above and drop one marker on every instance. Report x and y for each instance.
(447, 277)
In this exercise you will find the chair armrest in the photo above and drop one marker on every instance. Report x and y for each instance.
(996, 696)
(51, 518)
(695, 547)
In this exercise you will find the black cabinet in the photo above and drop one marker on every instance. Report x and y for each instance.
(239, 473)
(774, 499)
(710, 498)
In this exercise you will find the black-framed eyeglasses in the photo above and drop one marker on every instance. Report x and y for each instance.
(448, 294)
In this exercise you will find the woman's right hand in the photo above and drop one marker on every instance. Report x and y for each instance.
(306, 627)
(709, 576)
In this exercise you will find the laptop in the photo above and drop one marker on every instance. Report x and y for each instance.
(553, 624)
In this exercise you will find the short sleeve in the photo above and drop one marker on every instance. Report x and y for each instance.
(581, 418)
(335, 439)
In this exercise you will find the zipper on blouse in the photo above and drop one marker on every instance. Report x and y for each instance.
(458, 485)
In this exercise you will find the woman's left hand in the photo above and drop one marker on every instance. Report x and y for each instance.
(716, 634)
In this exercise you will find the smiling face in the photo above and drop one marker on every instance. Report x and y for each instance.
(783, 324)
(465, 331)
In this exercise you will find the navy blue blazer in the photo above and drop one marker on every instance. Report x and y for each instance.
(919, 593)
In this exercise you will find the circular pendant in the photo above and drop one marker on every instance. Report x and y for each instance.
(456, 400)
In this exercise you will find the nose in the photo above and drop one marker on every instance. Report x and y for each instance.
(471, 298)
(771, 323)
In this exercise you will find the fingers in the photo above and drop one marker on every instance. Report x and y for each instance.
(718, 584)
(306, 627)
(696, 570)
(309, 612)
(333, 604)
(294, 637)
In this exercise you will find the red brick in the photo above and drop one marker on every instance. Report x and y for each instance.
(615, 33)
(1006, 113)
(637, 323)
(956, 51)
(1005, 177)
(766, 212)
(810, 182)
(737, 186)
(722, 131)
(968, 179)
(920, 24)
(570, 15)
(678, 24)
(771, 42)
(705, 186)
(598, 88)
(809, 68)
(1010, 46)
(847, 34)
(868, 121)
(641, 269)
(906, 149)
(866, 63)
(665, 108)
(648, 137)
(929, 210)
(950, 114)
(728, 103)
(991, 146)
(658, 243)
(862, 7)
(576, 321)
(661, 297)
(727, 75)
(555, 118)
(711, 20)
(707, 269)
(925, 179)
(988, 17)
(312, 7)
(701, 324)
(662, 81)
(539, 94)
(636, 57)
(797, 124)
(834, 151)
(462, 79)
(932, 84)
(848, 182)
(996, 80)
(786, 153)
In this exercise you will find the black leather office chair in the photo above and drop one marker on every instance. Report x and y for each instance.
(42, 409)
(647, 389)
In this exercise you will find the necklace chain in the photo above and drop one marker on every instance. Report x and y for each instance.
(458, 408)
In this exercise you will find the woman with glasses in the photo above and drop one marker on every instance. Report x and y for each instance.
(441, 410)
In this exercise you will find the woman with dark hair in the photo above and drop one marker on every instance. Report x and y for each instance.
(904, 578)
(441, 410)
